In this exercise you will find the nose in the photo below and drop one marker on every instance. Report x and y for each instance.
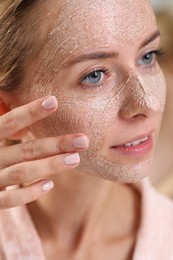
(143, 96)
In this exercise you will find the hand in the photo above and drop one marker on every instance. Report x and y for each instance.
(34, 161)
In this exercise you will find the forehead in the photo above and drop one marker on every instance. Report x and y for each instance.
(78, 24)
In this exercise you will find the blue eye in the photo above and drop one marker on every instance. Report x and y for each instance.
(147, 59)
(94, 77)
(150, 58)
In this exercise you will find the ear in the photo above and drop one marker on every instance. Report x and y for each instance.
(7, 100)
(3, 108)
(6, 105)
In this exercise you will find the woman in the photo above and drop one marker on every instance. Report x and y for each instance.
(98, 59)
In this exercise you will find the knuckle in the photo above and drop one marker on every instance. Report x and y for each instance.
(52, 165)
(29, 151)
(61, 144)
(6, 200)
(8, 121)
(34, 113)
(55, 165)
(31, 195)
(17, 174)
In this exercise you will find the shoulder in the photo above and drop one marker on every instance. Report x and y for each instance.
(157, 208)
(154, 201)
(163, 205)
(155, 235)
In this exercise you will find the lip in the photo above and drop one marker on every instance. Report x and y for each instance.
(138, 137)
(137, 150)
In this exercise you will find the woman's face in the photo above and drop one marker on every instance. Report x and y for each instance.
(99, 60)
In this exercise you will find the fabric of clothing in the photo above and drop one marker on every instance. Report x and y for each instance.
(19, 239)
(155, 235)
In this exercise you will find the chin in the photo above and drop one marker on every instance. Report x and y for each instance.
(115, 172)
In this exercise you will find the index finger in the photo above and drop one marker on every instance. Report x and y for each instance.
(21, 117)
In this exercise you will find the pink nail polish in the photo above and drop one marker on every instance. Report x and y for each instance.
(71, 159)
(50, 103)
(80, 142)
(47, 186)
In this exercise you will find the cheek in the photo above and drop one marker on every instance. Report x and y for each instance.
(89, 115)
(92, 117)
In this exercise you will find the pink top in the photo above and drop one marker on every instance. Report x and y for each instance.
(19, 239)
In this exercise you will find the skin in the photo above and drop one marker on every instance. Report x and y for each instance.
(82, 108)
(82, 214)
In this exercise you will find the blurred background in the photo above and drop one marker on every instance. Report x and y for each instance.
(161, 4)
(162, 174)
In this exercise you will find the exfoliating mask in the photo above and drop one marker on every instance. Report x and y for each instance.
(91, 24)
(83, 25)
(94, 115)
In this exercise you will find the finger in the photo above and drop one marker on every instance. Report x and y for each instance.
(21, 117)
(14, 198)
(42, 148)
(39, 169)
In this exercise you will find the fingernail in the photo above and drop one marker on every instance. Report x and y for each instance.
(72, 159)
(47, 186)
(50, 102)
(80, 142)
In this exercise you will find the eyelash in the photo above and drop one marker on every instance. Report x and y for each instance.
(158, 53)
(104, 70)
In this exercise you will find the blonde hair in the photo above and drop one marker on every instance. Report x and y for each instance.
(18, 29)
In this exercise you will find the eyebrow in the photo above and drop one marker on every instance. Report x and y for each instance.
(92, 56)
(153, 37)
(107, 55)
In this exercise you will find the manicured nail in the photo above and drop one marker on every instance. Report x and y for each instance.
(80, 142)
(47, 186)
(72, 159)
(50, 102)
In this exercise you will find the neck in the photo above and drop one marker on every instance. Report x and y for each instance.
(84, 208)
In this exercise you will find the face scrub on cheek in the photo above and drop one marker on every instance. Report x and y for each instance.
(95, 115)
(98, 115)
